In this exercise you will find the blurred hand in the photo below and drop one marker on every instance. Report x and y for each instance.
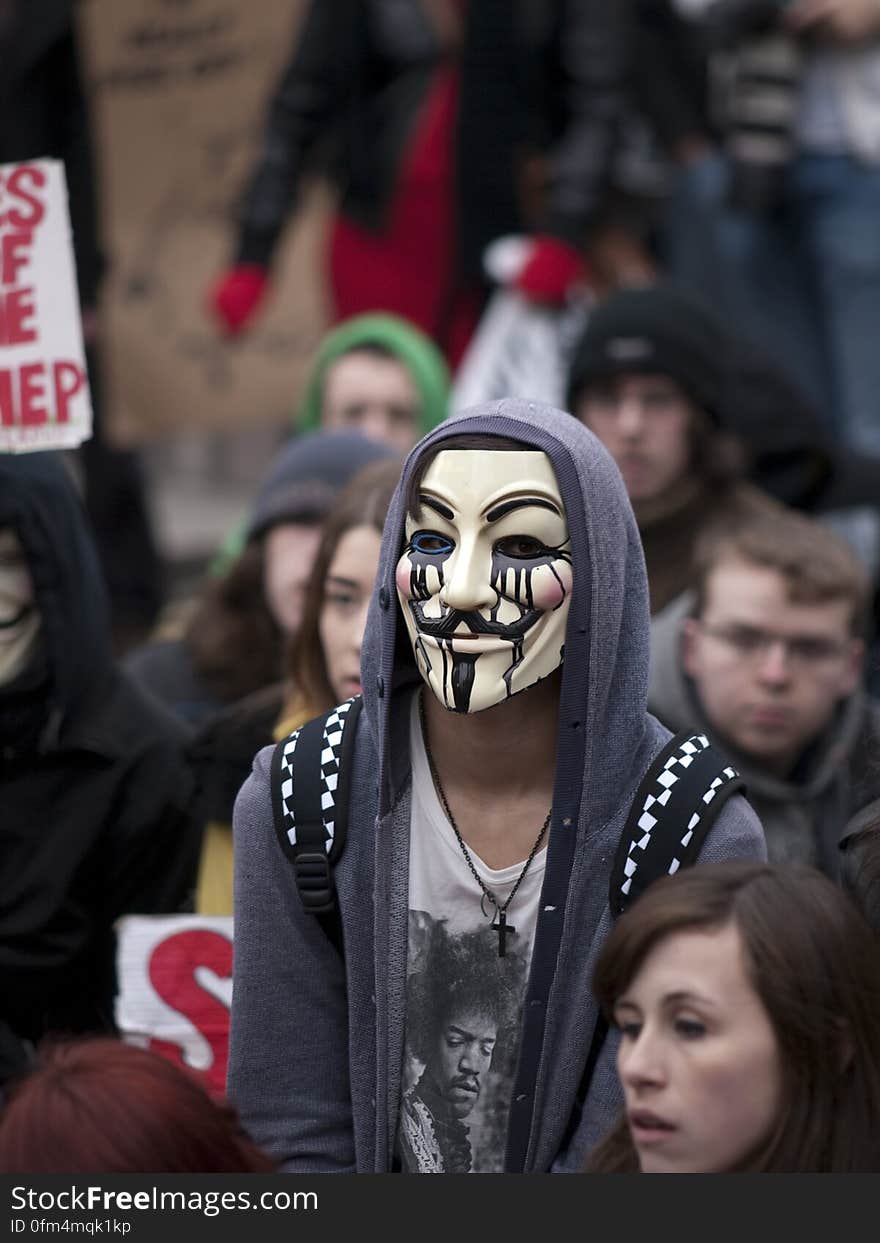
(237, 294)
(847, 21)
(550, 271)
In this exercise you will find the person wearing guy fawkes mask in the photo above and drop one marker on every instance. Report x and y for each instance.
(20, 669)
(503, 735)
(19, 632)
(95, 795)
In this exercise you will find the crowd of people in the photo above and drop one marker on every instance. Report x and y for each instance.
(532, 750)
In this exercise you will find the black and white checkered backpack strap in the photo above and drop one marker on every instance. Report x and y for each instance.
(310, 789)
(675, 806)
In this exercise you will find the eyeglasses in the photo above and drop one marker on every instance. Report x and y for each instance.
(751, 644)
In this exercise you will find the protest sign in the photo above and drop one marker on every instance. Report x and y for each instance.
(44, 392)
(175, 990)
(178, 96)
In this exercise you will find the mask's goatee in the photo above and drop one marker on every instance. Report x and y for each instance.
(463, 673)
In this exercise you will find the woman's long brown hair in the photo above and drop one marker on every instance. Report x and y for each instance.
(813, 962)
(363, 502)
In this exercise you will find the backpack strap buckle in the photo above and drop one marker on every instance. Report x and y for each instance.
(314, 880)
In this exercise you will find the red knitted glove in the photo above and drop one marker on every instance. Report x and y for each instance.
(237, 295)
(550, 270)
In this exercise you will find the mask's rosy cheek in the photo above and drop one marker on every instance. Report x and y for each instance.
(551, 584)
(403, 577)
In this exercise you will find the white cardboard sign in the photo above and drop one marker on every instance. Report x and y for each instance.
(175, 989)
(44, 391)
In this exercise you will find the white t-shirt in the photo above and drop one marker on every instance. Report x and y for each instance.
(463, 1000)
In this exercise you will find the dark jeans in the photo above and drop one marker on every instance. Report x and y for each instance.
(804, 280)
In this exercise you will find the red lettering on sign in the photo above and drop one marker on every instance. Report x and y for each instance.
(7, 409)
(17, 187)
(32, 387)
(13, 255)
(15, 307)
(24, 392)
(172, 971)
(68, 379)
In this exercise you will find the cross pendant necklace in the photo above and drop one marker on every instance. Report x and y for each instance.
(503, 928)
(499, 923)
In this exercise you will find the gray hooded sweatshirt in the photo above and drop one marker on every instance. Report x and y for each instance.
(317, 1043)
(804, 816)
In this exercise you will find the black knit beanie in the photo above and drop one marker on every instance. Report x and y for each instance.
(654, 330)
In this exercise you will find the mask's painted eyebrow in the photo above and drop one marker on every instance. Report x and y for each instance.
(431, 502)
(520, 502)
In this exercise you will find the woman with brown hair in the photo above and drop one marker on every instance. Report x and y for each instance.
(325, 655)
(747, 998)
(235, 639)
(104, 1107)
(323, 668)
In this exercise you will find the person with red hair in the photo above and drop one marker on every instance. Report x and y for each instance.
(99, 1106)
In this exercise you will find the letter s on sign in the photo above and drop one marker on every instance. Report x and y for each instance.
(172, 969)
(17, 188)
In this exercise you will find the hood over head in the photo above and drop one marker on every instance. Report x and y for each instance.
(39, 502)
(605, 667)
(418, 353)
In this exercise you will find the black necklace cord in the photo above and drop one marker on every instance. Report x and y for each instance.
(487, 893)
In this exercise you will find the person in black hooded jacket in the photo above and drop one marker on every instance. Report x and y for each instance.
(96, 798)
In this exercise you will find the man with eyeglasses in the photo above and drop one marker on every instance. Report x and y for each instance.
(766, 656)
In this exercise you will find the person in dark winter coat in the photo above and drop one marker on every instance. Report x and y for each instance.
(96, 797)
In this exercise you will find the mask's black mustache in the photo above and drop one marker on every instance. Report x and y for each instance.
(22, 613)
(445, 627)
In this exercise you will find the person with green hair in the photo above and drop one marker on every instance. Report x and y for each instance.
(379, 375)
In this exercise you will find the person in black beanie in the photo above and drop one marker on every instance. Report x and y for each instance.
(649, 377)
(654, 330)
